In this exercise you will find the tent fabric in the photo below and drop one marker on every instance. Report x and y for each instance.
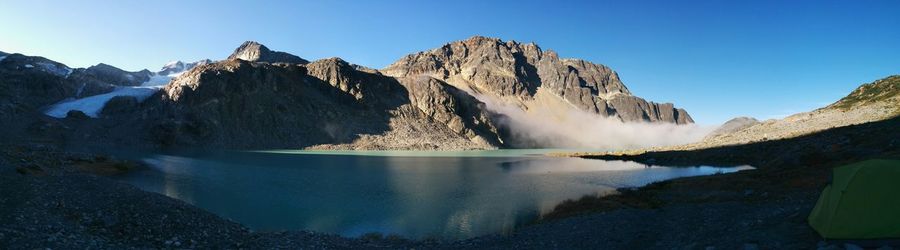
(862, 202)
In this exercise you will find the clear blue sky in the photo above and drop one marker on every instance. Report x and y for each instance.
(717, 59)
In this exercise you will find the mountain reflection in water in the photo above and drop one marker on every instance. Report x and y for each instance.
(414, 196)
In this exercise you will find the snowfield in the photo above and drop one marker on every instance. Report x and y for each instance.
(158, 80)
(91, 106)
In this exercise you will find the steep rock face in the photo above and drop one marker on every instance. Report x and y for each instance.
(27, 84)
(513, 72)
(371, 88)
(241, 104)
(459, 111)
(255, 52)
(237, 103)
(33, 82)
(636, 109)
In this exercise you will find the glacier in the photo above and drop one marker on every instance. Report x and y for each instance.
(92, 105)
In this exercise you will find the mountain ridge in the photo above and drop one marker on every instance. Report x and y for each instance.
(256, 52)
(870, 102)
(514, 72)
(260, 98)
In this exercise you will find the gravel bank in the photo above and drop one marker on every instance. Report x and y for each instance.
(51, 203)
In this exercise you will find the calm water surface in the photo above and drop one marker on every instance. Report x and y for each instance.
(412, 194)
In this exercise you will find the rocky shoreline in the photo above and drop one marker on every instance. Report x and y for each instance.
(56, 201)
(50, 202)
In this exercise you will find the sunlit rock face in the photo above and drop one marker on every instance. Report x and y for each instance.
(515, 72)
(255, 52)
(175, 68)
(449, 98)
(242, 104)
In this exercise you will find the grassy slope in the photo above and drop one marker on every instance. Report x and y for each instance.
(887, 89)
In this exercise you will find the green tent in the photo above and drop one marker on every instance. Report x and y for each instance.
(862, 202)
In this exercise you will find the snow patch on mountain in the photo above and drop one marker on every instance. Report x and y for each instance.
(157, 80)
(175, 68)
(91, 106)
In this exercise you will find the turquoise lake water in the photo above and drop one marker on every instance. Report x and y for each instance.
(447, 195)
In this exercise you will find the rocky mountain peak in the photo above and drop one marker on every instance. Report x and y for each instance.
(256, 52)
(334, 60)
(176, 67)
(104, 67)
(516, 72)
(105, 73)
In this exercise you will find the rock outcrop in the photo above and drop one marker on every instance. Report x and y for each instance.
(33, 82)
(514, 73)
(325, 104)
(27, 84)
(255, 52)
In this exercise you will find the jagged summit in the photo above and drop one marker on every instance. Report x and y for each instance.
(337, 60)
(256, 52)
(176, 67)
(525, 75)
(445, 98)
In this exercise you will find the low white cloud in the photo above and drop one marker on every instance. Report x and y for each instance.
(573, 128)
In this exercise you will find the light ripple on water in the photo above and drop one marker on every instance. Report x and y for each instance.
(414, 194)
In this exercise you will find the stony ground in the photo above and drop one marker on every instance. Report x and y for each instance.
(62, 200)
(789, 176)
(794, 126)
(409, 133)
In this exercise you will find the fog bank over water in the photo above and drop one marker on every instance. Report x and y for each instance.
(552, 126)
